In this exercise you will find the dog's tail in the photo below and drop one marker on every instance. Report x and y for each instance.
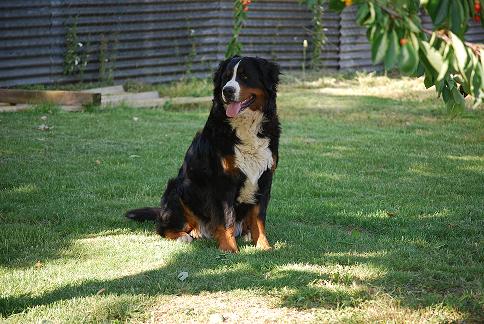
(144, 214)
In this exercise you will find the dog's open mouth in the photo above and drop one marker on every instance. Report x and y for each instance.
(236, 107)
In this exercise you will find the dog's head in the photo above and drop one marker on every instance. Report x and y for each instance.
(242, 83)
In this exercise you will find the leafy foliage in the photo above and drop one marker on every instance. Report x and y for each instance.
(318, 36)
(76, 56)
(398, 40)
(241, 7)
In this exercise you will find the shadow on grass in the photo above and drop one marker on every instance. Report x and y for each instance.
(307, 273)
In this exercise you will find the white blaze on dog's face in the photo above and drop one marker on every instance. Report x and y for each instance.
(242, 87)
(232, 84)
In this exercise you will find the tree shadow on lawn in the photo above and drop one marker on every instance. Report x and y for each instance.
(419, 261)
(324, 266)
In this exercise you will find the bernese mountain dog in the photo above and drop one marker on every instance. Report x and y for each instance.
(223, 187)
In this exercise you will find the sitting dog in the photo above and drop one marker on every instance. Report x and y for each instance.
(223, 187)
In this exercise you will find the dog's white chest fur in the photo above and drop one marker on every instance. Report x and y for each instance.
(252, 155)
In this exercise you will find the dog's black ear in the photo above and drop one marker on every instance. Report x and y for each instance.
(270, 74)
(217, 76)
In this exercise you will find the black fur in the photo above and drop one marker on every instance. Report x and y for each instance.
(202, 184)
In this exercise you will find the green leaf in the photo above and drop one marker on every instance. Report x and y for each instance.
(440, 85)
(432, 7)
(415, 41)
(433, 56)
(371, 7)
(336, 5)
(442, 13)
(408, 60)
(420, 70)
(445, 50)
(363, 14)
(446, 95)
(429, 80)
(393, 50)
(457, 17)
(411, 25)
(458, 99)
(459, 51)
(443, 70)
(379, 47)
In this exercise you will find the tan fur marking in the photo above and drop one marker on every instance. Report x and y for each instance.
(192, 225)
(190, 217)
(257, 229)
(226, 239)
(274, 163)
(260, 97)
(228, 164)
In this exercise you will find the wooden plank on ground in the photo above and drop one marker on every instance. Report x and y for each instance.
(140, 103)
(190, 100)
(69, 98)
(130, 97)
(107, 90)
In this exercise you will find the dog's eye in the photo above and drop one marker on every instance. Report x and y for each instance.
(243, 76)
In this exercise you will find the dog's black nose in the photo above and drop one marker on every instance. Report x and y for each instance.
(228, 93)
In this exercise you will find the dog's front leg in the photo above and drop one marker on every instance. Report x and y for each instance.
(225, 233)
(256, 224)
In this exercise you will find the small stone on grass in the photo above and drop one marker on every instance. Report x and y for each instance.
(182, 276)
(43, 127)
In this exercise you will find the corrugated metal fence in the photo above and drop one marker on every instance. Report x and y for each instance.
(163, 40)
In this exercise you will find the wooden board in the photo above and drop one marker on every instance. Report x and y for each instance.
(69, 98)
(107, 90)
(24, 107)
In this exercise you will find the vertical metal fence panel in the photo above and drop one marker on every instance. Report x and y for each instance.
(276, 30)
(165, 40)
(25, 42)
(355, 51)
(148, 40)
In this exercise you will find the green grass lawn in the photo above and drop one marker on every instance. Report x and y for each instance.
(376, 215)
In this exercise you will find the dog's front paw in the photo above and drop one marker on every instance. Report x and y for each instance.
(185, 238)
(196, 234)
(229, 248)
(263, 244)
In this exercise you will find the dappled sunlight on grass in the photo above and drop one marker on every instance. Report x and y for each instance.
(438, 214)
(472, 158)
(27, 188)
(337, 273)
(423, 170)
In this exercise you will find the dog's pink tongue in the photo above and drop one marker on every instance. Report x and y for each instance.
(233, 109)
